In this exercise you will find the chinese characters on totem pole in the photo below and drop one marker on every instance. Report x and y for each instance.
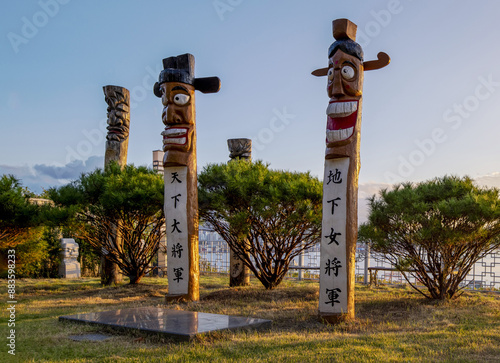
(239, 274)
(176, 86)
(340, 184)
(118, 100)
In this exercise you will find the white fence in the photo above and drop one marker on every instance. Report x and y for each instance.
(214, 257)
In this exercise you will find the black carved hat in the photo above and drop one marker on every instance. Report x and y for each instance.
(181, 69)
(344, 32)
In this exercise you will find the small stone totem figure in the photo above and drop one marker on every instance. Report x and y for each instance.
(340, 186)
(176, 86)
(69, 267)
(118, 100)
(239, 274)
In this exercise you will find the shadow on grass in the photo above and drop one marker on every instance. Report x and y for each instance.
(392, 324)
(292, 308)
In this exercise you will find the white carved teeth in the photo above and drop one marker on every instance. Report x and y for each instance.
(339, 135)
(341, 109)
(177, 140)
(174, 132)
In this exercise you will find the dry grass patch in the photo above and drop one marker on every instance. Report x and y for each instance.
(392, 324)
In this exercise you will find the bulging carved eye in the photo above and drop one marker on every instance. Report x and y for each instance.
(181, 99)
(347, 72)
(330, 74)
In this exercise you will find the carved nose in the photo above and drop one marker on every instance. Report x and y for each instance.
(337, 87)
(176, 118)
(114, 120)
(118, 119)
(170, 116)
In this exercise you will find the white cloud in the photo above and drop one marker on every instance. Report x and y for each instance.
(367, 190)
(42, 176)
(489, 180)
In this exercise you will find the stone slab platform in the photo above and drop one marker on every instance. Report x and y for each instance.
(181, 325)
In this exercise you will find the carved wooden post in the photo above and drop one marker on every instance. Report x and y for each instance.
(118, 100)
(239, 273)
(340, 184)
(176, 88)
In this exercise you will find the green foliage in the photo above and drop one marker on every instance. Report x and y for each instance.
(17, 214)
(266, 216)
(392, 325)
(118, 210)
(438, 229)
(39, 255)
(20, 221)
(89, 258)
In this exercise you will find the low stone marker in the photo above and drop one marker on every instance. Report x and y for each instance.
(69, 267)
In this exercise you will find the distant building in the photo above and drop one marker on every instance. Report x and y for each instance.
(40, 201)
(158, 160)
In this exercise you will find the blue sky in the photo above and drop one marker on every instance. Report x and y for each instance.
(433, 111)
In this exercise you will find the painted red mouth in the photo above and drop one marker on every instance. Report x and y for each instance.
(175, 135)
(341, 121)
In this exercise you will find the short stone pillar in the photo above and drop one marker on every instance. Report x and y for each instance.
(69, 267)
(239, 274)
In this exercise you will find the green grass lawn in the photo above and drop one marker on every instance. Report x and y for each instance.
(393, 324)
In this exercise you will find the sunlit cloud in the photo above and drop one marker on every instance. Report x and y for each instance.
(489, 180)
(43, 176)
(366, 190)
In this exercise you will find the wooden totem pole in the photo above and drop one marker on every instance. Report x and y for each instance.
(239, 274)
(340, 185)
(118, 100)
(176, 86)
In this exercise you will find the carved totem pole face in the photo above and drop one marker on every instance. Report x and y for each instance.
(240, 148)
(176, 86)
(345, 88)
(178, 117)
(118, 100)
(345, 73)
